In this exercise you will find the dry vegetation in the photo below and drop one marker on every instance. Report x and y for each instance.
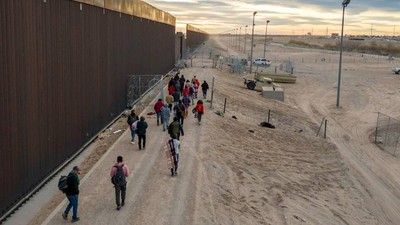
(367, 45)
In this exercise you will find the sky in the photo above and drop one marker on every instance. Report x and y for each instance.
(287, 17)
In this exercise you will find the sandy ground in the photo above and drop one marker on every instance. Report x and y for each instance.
(233, 171)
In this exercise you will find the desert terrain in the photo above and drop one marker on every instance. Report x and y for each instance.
(233, 171)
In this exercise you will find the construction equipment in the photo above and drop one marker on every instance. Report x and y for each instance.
(257, 84)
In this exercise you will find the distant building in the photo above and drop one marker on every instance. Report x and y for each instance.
(335, 35)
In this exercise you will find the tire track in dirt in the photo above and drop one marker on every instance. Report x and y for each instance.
(350, 139)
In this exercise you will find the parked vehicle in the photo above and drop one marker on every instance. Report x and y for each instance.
(396, 70)
(262, 61)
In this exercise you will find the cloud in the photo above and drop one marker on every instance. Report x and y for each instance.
(293, 16)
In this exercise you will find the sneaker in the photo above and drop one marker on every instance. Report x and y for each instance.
(74, 220)
(172, 174)
(132, 142)
(123, 203)
(65, 216)
(118, 207)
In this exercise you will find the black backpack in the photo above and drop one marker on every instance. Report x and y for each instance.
(191, 90)
(131, 119)
(119, 178)
(63, 183)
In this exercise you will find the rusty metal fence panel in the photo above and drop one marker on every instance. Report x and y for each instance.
(387, 133)
(63, 77)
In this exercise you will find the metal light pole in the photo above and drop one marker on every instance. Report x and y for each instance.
(236, 40)
(252, 41)
(344, 4)
(245, 35)
(240, 32)
(265, 42)
(237, 36)
(232, 37)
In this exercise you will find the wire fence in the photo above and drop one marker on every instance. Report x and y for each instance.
(387, 133)
(138, 85)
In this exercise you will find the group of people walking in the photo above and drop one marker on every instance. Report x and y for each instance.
(181, 95)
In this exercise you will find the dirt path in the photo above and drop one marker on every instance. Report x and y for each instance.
(153, 196)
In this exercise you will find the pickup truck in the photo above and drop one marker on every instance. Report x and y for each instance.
(262, 61)
(396, 70)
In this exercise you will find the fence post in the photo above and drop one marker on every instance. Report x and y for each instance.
(212, 92)
(326, 123)
(376, 128)
(395, 148)
(387, 131)
(320, 126)
(224, 105)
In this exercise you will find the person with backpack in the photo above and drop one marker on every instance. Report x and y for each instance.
(185, 91)
(134, 130)
(186, 102)
(118, 174)
(131, 119)
(191, 93)
(176, 95)
(175, 128)
(173, 145)
(196, 89)
(166, 113)
(198, 86)
(180, 111)
(72, 192)
(199, 109)
(187, 83)
(141, 128)
(169, 100)
(204, 88)
(157, 108)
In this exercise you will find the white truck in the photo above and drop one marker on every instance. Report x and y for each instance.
(396, 70)
(262, 61)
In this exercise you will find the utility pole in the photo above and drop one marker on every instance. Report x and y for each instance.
(245, 40)
(265, 41)
(372, 25)
(240, 31)
(252, 43)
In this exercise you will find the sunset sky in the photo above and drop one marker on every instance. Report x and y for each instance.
(320, 17)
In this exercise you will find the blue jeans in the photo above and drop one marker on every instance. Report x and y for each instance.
(159, 117)
(165, 123)
(73, 203)
(133, 135)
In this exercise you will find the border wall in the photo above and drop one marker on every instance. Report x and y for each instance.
(195, 36)
(180, 46)
(64, 69)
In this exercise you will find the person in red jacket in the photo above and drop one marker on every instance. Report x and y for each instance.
(186, 91)
(157, 109)
(171, 89)
(199, 109)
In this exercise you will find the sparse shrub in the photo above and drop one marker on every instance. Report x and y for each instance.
(355, 46)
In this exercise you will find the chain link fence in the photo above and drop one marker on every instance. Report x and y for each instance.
(387, 133)
(140, 86)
